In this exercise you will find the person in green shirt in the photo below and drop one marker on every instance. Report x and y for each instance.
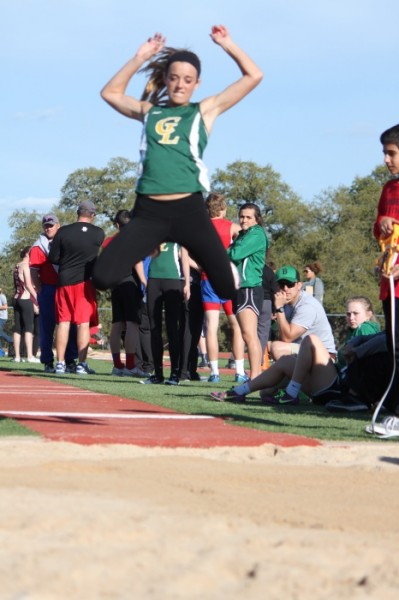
(172, 180)
(360, 320)
(168, 285)
(248, 252)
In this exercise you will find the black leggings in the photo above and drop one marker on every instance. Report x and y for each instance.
(23, 316)
(153, 222)
(165, 294)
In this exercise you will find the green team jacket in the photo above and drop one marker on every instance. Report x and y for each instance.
(366, 328)
(248, 252)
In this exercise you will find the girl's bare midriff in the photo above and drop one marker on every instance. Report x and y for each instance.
(170, 196)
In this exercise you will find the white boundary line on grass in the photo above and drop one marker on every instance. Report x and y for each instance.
(72, 415)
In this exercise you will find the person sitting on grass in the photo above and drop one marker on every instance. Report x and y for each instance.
(361, 321)
(297, 314)
(313, 371)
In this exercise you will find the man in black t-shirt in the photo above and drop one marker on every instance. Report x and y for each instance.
(74, 249)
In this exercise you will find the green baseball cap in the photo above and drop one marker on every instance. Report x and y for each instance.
(288, 273)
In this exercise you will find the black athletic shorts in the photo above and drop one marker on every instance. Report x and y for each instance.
(126, 301)
(249, 298)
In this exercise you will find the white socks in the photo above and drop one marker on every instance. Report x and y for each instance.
(293, 388)
(240, 367)
(214, 364)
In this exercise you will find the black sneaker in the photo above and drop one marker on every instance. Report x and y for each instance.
(173, 380)
(195, 377)
(71, 367)
(49, 367)
(153, 380)
(231, 364)
(203, 364)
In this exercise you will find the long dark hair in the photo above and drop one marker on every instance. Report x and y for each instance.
(255, 208)
(155, 90)
(24, 251)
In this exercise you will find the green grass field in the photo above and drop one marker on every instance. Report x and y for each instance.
(193, 397)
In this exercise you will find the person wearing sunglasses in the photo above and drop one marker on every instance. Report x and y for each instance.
(298, 314)
(306, 339)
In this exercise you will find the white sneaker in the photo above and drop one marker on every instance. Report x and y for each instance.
(84, 369)
(388, 428)
(60, 368)
(135, 372)
(33, 360)
(118, 372)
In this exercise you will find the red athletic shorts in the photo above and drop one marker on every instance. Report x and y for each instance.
(76, 304)
(211, 301)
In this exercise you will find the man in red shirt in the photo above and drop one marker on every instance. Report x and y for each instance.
(45, 278)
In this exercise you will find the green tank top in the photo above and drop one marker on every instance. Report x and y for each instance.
(166, 265)
(172, 143)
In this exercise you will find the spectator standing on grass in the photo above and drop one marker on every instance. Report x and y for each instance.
(248, 252)
(143, 355)
(126, 300)
(167, 286)
(313, 284)
(4, 317)
(25, 305)
(212, 303)
(45, 277)
(387, 218)
(191, 321)
(74, 250)
(270, 287)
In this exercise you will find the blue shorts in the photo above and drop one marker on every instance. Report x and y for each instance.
(211, 300)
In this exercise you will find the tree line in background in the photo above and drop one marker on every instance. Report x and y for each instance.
(336, 228)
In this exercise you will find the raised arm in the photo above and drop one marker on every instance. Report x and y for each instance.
(213, 106)
(114, 91)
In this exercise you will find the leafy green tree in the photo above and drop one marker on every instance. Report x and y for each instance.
(336, 228)
(343, 240)
(286, 216)
(110, 188)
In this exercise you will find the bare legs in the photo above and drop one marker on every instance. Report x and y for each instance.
(248, 322)
(28, 338)
(312, 368)
(212, 342)
(61, 340)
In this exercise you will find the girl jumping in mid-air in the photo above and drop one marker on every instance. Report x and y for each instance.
(173, 178)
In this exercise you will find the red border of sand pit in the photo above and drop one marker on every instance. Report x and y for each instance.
(62, 412)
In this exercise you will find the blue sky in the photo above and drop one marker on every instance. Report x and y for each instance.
(330, 87)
